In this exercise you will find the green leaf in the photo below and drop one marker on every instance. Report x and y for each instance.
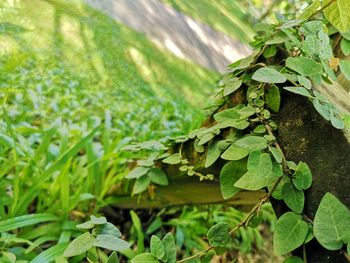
(277, 154)
(345, 46)
(234, 153)
(26, 220)
(113, 258)
(79, 245)
(86, 225)
(106, 229)
(232, 85)
(302, 178)
(229, 175)
(140, 235)
(141, 184)
(322, 109)
(144, 258)
(310, 10)
(172, 159)
(348, 248)
(137, 172)
(270, 51)
(273, 98)
(304, 66)
(213, 153)
(299, 90)
(207, 257)
(290, 233)
(252, 142)
(293, 197)
(304, 82)
(344, 66)
(293, 259)
(259, 170)
(170, 248)
(269, 75)
(157, 247)
(111, 242)
(157, 176)
(338, 14)
(218, 235)
(227, 115)
(331, 224)
(98, 220)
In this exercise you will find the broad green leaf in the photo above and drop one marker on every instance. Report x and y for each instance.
(293, 197)
(227, 115)
(322, 109)
(157, 176)
(273, 98)
(106, 229)
(338, 14)
(79, 245)
(234, 153)
(279, 38)
(157, 247)
(256, 219)
(304, 66)
(336, 122)
(111, 242)
(144, 258)
(141, 184)
(299, 90)
(26, 220)
(345, 46)
(277, 154)
(98, 220)
(172, 159)
(270, 51)
(213, 153)
(218, 235)
(86, 225)
(137, 172)
(206, 138)
(170, 248)
(269, 75)
(232, 85)
(50, 254)
(344, 66)
(252, 142)
(310, 10)
(259, 170)
(259, 129)
(331, 223)
(304, 82)
(113, 258)
(290, 233)
(293, 259)
(302, 178)
(229, 175)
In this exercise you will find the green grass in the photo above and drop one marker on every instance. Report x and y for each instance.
(75, 86)
(227, 16)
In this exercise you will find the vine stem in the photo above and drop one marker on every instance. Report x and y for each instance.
(196, 255)
(263, 199)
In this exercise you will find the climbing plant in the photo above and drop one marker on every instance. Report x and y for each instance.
(296, 56)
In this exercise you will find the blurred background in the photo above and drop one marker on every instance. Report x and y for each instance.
(143, 70)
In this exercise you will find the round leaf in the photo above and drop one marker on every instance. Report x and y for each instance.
(269, 75)
(332, 223)
(293, 197)
(290, 233)
(218, 235)
(229, 175)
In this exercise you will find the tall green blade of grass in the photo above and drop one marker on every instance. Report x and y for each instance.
(29, 196)
(50, 254)
(26, 220)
